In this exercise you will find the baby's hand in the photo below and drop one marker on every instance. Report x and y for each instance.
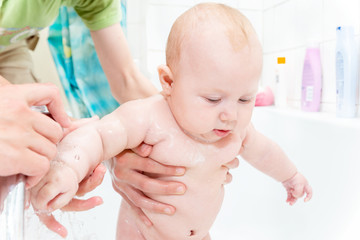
(56, 189)
(296, 187)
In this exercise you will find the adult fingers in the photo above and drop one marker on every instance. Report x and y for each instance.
(47, 127)
(21, 159)
(150, 185)
(138, 199)
(33, 159)
(43, 147)
(130, 160)
(143, 150)
(91, 182)
(51, 223)
(79, 205)
(49, 95)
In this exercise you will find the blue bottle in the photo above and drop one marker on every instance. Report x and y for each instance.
(346, 72)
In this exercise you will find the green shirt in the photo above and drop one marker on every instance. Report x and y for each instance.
(20, 19)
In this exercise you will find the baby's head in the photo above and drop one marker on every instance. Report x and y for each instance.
(214, 62)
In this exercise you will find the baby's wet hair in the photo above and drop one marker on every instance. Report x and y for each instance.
(236, 26)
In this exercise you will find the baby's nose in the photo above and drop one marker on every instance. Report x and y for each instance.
(229, 114)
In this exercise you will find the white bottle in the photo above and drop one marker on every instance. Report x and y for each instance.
(346, 72)
(280, 83)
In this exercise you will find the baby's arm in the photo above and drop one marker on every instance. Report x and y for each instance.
(83, 149)
(266, 156)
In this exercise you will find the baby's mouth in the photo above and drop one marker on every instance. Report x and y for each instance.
(221, 133)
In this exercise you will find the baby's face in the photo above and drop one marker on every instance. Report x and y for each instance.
(214, 88)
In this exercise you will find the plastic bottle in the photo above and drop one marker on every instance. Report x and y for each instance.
(311, 80)
(280, 83)
(346, 72)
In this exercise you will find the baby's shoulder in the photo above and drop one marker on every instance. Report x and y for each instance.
(144, 104)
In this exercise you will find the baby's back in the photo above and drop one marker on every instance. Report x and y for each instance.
(205, 175)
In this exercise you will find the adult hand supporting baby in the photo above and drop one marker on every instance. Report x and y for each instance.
(127, 170)
(28, 139)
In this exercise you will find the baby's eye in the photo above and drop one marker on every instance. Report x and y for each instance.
(213, 100)
(244, 100)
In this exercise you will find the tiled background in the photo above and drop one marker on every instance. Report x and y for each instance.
(284, 26)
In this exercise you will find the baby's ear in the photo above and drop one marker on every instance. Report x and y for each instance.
(166, 79)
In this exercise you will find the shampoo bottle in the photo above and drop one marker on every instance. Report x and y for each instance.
(280, 83)
(311, 80)
(346, 72)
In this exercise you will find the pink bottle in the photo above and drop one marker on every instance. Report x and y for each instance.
(311, 80)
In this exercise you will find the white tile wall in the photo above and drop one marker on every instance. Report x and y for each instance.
(290, 24)
(284, 27)
(160, 15)
(338, 12)
(272, 3)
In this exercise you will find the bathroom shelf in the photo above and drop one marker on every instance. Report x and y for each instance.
(322, 117)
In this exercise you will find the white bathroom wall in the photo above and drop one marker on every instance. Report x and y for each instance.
(158, 17)
(289, 25)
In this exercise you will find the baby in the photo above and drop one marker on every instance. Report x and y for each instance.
(201, 120)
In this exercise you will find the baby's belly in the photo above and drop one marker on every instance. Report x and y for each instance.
(196, 210)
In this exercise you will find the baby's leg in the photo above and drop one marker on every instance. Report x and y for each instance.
(126, 227)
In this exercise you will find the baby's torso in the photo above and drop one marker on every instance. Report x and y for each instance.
(205, 175)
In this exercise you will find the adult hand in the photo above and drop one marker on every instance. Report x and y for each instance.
(127, 170)
(86, 186)
(28, 139)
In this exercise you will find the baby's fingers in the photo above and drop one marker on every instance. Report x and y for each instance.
(32, 181)
(41, 197)
(290, 198)
(308, 191)
(298, 191)
(61, 200)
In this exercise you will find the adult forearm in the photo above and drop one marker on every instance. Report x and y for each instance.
(125, 79)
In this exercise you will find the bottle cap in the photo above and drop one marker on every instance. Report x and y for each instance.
(281, 60)
(347, 30)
